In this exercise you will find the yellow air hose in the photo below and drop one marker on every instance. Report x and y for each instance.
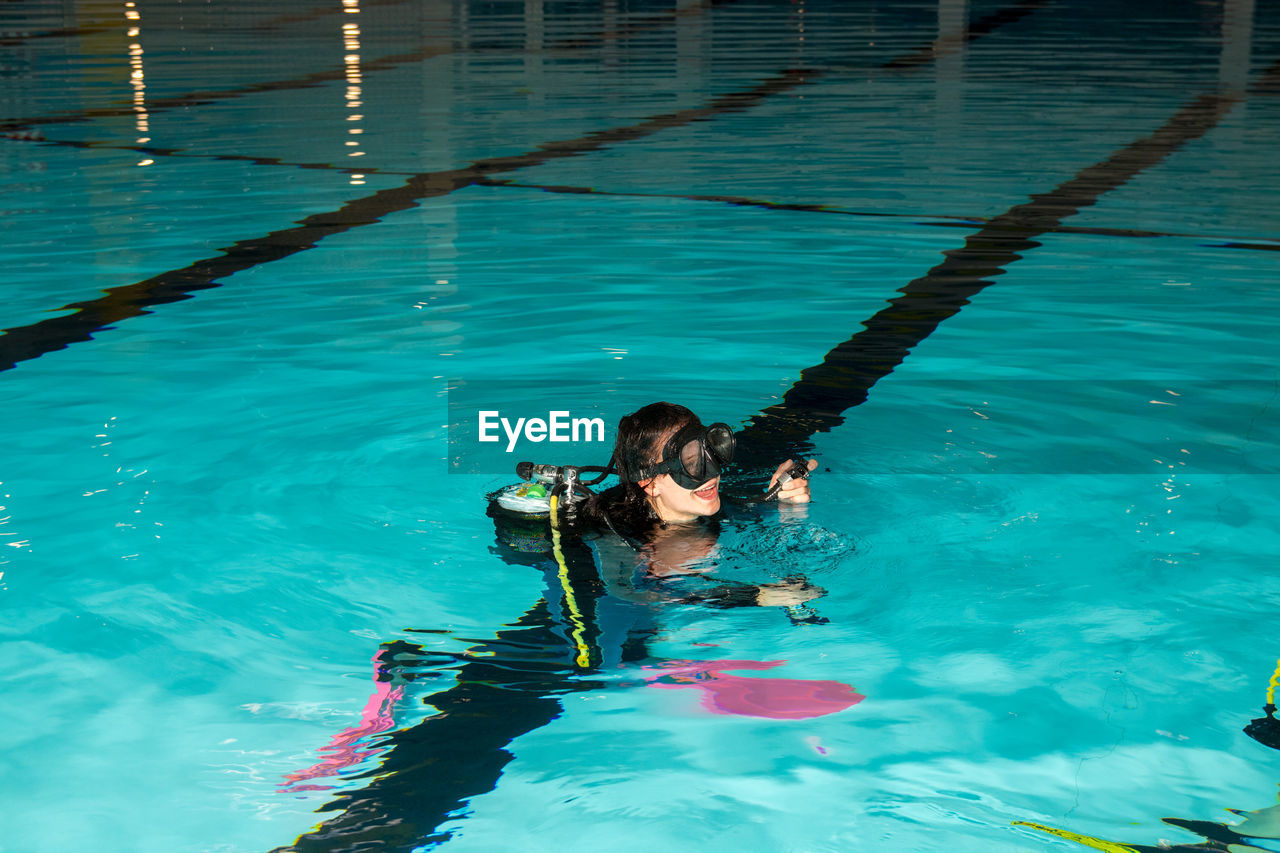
(583, 658)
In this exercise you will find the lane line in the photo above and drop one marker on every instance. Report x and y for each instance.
(23, 343)
(952, 42)
(186, 154)
(817, 401)
(929, 220)
(202, 98)
(922, 219)
(336, 74)
(10, 40)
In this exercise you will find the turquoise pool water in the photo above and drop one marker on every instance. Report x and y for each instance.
(1007, 270)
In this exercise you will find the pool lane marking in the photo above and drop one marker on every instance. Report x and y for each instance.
(951, 42)
(212, 96)
(336, 74)
(1256, 247)
(115, 24)
(23, 343)
(959, 221)
(817, 401)
(956, 220)
(922, 219)
(917, 57)
(7, 40)
(641, 23)
(187, 154)
(324, 11)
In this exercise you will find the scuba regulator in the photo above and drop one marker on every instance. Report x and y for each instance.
(545, 485)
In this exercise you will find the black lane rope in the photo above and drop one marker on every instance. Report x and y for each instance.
(817, 401)
(23, 343)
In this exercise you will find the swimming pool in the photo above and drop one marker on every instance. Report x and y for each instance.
(1006, 269)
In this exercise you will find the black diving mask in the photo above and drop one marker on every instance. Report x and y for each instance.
(695, 454)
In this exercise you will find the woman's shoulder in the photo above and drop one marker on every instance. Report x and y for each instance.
(616, 510)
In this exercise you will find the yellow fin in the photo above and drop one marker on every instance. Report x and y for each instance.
(1086, 840)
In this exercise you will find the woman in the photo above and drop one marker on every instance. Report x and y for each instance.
(670, 465)
(670, 468)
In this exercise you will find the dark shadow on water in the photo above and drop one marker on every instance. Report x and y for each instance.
(504, 687)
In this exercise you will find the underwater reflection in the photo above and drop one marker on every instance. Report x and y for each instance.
(583, 634)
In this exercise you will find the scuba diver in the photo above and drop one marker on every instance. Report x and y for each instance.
(611, 563)
(665, 509)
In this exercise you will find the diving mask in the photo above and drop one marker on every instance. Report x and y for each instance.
(695, 454)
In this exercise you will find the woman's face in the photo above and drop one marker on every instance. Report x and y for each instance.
(680, 506)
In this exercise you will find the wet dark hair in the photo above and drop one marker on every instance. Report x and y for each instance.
(641, 437)
(642, 434)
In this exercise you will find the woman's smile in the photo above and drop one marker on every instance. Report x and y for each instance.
(708, 492)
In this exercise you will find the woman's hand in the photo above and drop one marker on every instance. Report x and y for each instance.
(795, 490)
(791, 592)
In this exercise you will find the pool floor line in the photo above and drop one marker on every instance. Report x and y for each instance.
(917, 57)
(154, 106)
(1255, 247)
(642, 23)
(950, 43)
(23, 343)
(31, 341)
(61, 33)
(842, 380)
(922, 219)
(27, 342)
(959, 221)
(187, 154)
(324, 11)
(117, 22)
(927, 220)
(336, 74)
